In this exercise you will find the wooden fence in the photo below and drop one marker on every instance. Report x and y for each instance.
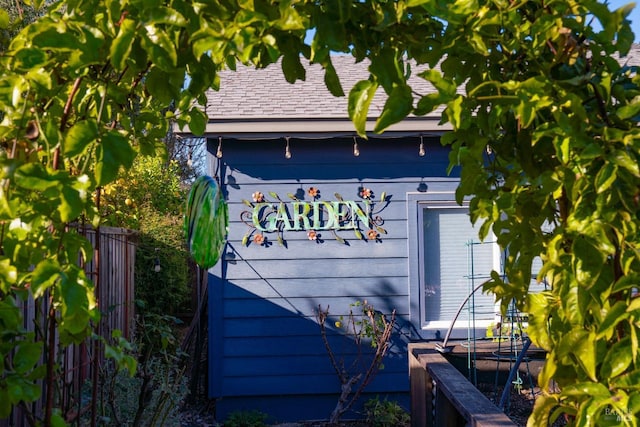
(113, 267)
(442, 397)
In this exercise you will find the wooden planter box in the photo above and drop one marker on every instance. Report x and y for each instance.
(441, 396)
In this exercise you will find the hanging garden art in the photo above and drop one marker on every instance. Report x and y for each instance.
(276, 216)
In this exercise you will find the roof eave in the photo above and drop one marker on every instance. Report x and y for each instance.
(262, 128)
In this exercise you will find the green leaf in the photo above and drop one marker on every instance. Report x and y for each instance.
(629, 111)
(606, 177)
(27, 356)
(165, 15)
(455, 114)
(75, 303)
(622, 159)
(444, 86)
(57, 39)
(8, 277)
(156, 84)
(159, 47)
(396, 108)
(331, 80)
(387, 69)
(542, 408)
(615, 315)
(44, 276)
(121, 46)
(79, 136)
(57, 420)
(70, 206)
(5, 20)
(197, 121)
(630, 381)
(617, 359)
(586, 389)
(588, 260)
(360, 98)
(28, 58)
(113, 152)
(292, 68)
(582, 345)
(34, 176)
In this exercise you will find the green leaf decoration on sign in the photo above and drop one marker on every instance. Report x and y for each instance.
(206, 222)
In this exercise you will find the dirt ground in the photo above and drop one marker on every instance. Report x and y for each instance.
(520, 404)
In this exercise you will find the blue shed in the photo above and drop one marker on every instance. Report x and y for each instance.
(320, 218)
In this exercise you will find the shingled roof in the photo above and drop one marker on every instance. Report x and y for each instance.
(260, 102)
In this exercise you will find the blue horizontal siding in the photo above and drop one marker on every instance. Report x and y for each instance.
(333, 269)
(264, 336)
(288, 307)
(307, 384)
(316, 287)
(303, 345)
(301, 365)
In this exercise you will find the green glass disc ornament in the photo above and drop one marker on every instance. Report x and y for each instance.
(206, 222)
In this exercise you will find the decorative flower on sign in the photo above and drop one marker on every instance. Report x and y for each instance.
(258, 197)
(258, 239)
(312, 234)
(313, 192)
(372, 234)
(365, 193)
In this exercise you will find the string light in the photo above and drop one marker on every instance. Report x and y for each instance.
(287, 150)
(219, 151)
(356, 149)
(421, 150)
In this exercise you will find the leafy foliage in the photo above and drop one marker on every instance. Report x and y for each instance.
(386, 413)
(545, 127)
(150, 198)
(547, 135)
(246, 419)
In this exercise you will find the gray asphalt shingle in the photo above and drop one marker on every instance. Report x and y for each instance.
(251, 94)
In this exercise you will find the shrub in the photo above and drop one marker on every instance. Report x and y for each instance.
(246, 419)
(386, 413)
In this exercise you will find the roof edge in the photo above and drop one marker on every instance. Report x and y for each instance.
(314, 128)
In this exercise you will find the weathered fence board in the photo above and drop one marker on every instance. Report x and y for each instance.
(113, 267)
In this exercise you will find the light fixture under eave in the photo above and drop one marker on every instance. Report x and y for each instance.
(287, 149)
(219, 151)
(421, 150)
(356, 149)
